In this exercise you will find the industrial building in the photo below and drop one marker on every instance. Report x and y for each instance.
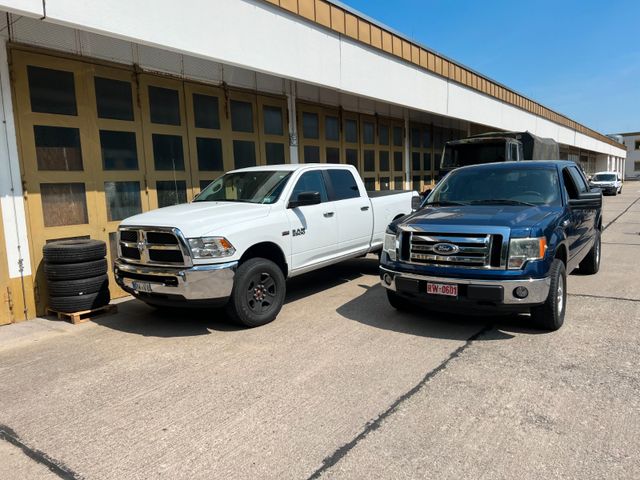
(631, 141)
(114, 108)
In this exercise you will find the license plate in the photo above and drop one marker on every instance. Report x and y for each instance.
(142, 286)
(445, 289)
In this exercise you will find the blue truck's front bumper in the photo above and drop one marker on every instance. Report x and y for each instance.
(471, 291)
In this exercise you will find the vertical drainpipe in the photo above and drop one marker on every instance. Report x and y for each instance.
(293, 127)
(407, 152)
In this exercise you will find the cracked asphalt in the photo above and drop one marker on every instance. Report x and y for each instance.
(339, 386)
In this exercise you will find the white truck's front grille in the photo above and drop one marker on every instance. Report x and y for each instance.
(151, 246)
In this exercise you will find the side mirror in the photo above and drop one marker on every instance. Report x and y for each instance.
(304, 199)
(587, 200)
(416, 202)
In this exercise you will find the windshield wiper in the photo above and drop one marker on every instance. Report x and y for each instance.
(445, 203)
(501, 201)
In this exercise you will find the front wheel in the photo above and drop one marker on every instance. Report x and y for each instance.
(550, 315)
(258, 292)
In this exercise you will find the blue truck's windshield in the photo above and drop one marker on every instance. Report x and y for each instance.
(249, 186)
(475, 186)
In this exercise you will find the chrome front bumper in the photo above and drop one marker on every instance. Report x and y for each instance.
(200, 282)
(538, 287)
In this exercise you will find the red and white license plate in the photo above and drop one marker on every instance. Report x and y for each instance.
(442, 289)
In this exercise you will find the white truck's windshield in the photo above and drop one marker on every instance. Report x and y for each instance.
(250, 187)
(522, 186)
(604, 177)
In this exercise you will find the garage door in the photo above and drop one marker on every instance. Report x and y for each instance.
(99, 143)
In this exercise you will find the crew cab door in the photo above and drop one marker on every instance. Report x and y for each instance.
(314, 230)
(355, 214)
(580, 226)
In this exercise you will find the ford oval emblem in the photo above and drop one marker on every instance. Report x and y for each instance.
(446, 248)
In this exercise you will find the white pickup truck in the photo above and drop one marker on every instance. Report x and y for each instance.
(250, 230)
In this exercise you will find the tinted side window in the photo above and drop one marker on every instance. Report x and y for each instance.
(310, 182)
(344, 185)
(578, 179)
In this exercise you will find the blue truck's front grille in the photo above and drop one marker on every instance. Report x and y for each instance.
(453, 249)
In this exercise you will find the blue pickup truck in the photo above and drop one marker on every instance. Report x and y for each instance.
(496, 237)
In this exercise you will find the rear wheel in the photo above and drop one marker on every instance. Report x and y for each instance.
(550, 315)
(591, 263)
(258, 292)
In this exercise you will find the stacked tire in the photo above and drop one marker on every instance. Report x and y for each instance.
(76, 272)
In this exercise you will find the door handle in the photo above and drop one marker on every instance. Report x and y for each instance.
(365, 208)
(328, 214)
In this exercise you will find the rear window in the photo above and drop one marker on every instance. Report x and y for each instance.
(344, 185)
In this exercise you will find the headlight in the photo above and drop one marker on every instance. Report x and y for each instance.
(211, 247)
(390, 245)
(522, 250)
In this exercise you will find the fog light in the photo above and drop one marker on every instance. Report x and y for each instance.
(387, 279)
(520, 292)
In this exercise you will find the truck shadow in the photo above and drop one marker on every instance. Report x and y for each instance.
(140, 319)
(372, 309)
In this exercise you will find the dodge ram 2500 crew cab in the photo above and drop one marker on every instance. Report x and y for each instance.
(497, 236)
(248, 231)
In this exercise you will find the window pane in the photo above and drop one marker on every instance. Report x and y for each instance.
(383, 135)
(426, 138)
(397, 162)
(123, 199)
(415, 137)
(167, 152)
(352, 157)
(426, 161)
(351, 131)
(333, 155)
(63, 204)
(427, 179)
(58, 148)
(52, 91)
(241, 116)
(164, 106)
(118, 150)
(171, 192)
(311, 154)
(310, 126)
(344, 185)
(274, 153)
(415, 160)
(384, 161)
(273, 120)
(369, 161)
(397, 136)
(370, 184)
(415, 181)
(204, 184)
(113, 98)
(310, 182)
(244, 154)
(398, 183)
(331, 128)
(206, 112)
(384, 183)
(209, 154)
(368, 133)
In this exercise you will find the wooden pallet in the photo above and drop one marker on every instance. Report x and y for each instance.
(83, 316)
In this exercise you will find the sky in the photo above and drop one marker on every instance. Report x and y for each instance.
(579, 58)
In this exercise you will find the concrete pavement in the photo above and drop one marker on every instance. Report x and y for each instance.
(339, 386)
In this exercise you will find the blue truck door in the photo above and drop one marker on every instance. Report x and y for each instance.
(580, 230)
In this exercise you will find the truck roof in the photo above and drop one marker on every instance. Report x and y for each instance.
(521, 165)
(291, 167)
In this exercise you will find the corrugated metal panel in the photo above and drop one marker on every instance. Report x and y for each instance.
(202, 70)
(160, 60)
(239, 77)
(269, 83)
(44, 34)
(106, 48)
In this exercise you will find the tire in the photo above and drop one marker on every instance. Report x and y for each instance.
(550, 315)
(397, 302)
(258, 293)
(75, 271)
(83, 286)
(591, 263)
(78, 303)
(74, 251)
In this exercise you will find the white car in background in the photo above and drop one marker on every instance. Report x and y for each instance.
(608, 182)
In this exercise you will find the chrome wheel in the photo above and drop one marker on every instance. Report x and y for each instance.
(598, 252)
